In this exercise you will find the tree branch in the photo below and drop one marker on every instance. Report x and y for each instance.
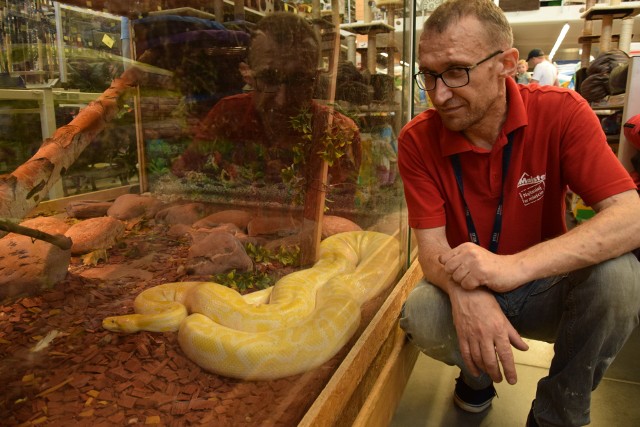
(63, 242)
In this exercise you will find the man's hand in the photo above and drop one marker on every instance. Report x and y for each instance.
(472, 266)
(485, 335)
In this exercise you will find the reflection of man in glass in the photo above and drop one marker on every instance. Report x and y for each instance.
(276, 132)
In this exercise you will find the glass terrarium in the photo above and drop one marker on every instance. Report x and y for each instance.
(214, 217)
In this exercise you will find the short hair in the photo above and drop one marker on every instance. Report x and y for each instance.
(497, 28)
(523, 62)
(289, 31)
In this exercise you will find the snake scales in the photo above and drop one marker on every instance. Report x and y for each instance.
(290, 328)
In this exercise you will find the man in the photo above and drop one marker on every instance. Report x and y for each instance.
(276, 132)
(485, 175)
(544, 72)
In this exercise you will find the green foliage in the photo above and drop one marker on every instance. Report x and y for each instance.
(244, 281)
(333, 144)
(284, 256)
(266, 261)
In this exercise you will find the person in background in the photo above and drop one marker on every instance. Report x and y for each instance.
(256, 130)
(485, 174)
(544, 72)
(522, 76)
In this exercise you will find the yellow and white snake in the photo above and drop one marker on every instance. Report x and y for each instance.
(290, 328)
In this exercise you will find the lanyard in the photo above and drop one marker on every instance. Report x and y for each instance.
(497, 224)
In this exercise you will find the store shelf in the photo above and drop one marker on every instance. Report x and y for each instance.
(596, 39)
(623, 10)
(615, 102)
(364, 28)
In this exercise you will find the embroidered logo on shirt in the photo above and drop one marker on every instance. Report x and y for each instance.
(531, 188)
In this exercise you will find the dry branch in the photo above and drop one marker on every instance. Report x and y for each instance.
(63, 242)
(24, 188)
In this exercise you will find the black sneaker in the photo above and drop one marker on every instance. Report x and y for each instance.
(471, 400)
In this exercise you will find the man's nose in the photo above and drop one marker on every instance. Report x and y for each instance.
(282, 94)
(441, 93)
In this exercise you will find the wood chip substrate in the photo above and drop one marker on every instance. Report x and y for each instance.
(61, 368)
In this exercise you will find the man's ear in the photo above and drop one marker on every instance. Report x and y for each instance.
(510, 62)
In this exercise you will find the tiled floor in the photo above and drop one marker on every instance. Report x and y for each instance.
(427, 400)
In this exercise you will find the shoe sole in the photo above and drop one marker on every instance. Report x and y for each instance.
(468, 407)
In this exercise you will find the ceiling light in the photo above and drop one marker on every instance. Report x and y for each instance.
(563, 33)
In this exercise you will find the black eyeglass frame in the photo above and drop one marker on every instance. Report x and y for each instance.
(440, 76)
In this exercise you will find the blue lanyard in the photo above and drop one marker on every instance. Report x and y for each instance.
(497, 224)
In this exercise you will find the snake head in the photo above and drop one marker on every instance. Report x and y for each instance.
(119, 324)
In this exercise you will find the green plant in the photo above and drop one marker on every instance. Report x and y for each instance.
(244, 281)
(331, 146)
(283, 256)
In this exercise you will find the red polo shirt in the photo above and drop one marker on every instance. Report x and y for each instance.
(558, 143)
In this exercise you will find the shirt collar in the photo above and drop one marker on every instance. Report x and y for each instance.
(455, 142)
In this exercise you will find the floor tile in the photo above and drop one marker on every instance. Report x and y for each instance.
(427, 399)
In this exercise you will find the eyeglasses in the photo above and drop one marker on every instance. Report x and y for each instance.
(270, 81)
(453, 77)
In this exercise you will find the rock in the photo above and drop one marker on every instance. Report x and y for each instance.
(276, 225)
(179, 230)
(232, 216)
(49, 224)
(201, 233)
(130, 206)
(95, 233)
(28, 266)
(217, 253)
(332, 224)
(182, 214)
(88, 209)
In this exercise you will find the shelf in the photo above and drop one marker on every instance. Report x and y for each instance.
(623, 10)
(596, 39)
(613, 102)
(368, 27)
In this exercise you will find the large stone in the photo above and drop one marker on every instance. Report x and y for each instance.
(332, 224)
(27, 265)
(88, 209)
(182, 214)
(130, 206)
(237, 217)
(273, 225)
(217, 253)
(95, 233)
(47, 224)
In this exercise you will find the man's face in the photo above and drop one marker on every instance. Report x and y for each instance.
(462, 44)
(284, 78)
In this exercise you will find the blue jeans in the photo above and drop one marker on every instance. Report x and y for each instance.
(588, 315)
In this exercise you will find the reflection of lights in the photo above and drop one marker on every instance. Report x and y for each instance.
(385, 54)
(563, 33)
(404, 64)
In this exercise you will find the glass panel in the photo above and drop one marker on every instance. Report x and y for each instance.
(234, 162)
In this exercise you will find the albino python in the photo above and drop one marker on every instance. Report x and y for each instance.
(290, 328)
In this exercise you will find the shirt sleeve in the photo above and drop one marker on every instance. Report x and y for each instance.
(425, 201)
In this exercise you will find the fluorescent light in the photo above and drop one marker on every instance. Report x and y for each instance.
(563, 33)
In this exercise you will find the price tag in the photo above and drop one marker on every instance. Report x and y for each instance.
(109, 41)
